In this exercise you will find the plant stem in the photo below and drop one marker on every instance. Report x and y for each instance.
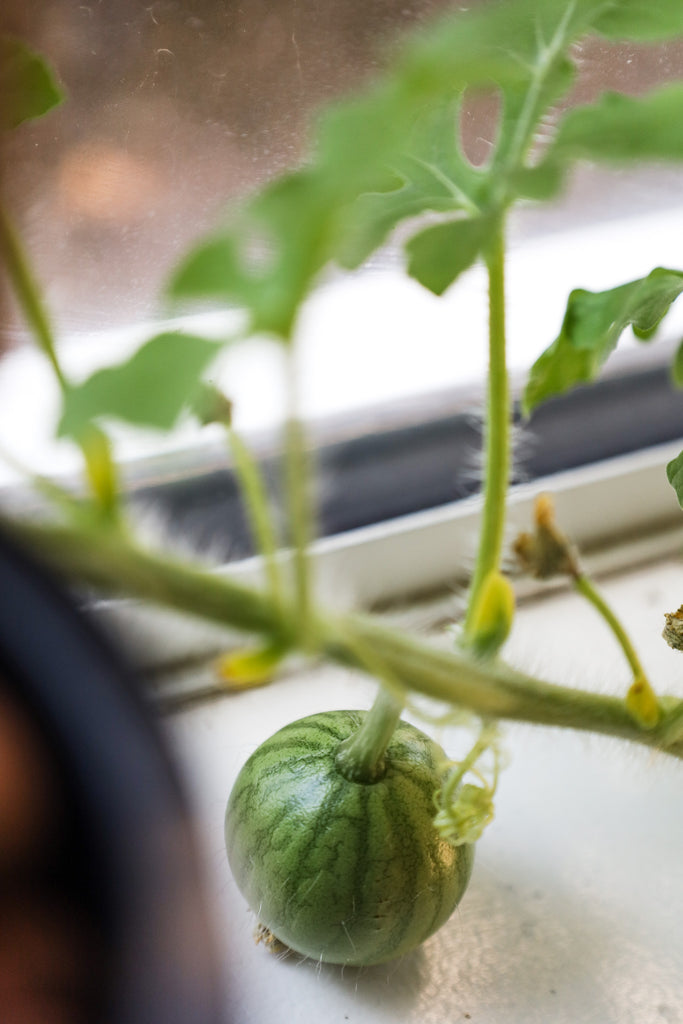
(497, 433)
(360, 758)
(298, 503)
(258, 512)
(490, 689)
(99, 465)
(28, 293)
(585, 587)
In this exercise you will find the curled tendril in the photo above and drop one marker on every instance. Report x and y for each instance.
(464, 820)
(464, 809)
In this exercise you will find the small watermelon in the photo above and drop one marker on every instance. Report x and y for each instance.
(340, 871)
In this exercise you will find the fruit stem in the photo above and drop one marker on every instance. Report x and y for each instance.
(360, 758)
(299, 509)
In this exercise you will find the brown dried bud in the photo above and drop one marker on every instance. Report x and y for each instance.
(546, 552)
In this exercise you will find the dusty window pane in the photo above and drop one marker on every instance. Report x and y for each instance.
(176, 107)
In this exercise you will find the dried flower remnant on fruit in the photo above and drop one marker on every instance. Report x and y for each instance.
(673, 629)
(546, 552)
(270, 941)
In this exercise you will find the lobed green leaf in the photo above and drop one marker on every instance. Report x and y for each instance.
(592, 325)
(440, 253)
(392, 154)
(497, 42)
(150, 389)
(432, 176)
(402, 130)
(28, 88)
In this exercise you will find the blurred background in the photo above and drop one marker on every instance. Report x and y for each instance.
(177, 107)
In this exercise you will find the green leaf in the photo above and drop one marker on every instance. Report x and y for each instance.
(266, 260)
(210, 405)
(28, 88)
(150, 389)
(640, 20)
(440, 253)
(621, 128)
(540, 182)
(497, 43)
(392, 154)
(400, 127)
(677, 367)
(674, 473)
(433, 176)
(592, 325)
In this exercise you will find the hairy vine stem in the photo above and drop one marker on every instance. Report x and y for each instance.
(489, 688)
(497, 435)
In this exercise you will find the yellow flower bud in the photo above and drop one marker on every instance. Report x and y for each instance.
(246, 668)
(492, 618)
(100, 468)
(642, 703)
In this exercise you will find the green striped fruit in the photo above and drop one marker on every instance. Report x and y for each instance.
(343, 872)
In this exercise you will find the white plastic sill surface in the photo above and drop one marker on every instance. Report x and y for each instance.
(573, 914)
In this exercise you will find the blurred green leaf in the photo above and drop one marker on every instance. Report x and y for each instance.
(500, 43)
(677, 367)
(267, 258)
(440, 253)
(621, 128)
(640, 21)
(540, 183)
(210, 405)
(674, 473)
(150, 389)
(28, 88)
(432, 176)
(403, 129)
(592, 325)
(393, 154)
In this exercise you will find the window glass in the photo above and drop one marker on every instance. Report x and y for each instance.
(178, 108)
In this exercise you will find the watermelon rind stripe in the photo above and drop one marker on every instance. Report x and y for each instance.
(343, 871)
